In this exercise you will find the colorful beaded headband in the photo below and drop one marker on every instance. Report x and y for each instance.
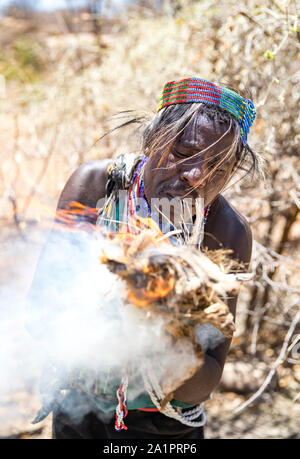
(192, 90)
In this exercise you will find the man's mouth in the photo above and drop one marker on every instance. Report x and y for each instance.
(190, 202)
(181, 195)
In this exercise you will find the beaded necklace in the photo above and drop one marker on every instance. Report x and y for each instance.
(138, 203)
(137, 195)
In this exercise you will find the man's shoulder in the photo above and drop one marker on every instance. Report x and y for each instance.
(234, 217)
(92, 171)
(87, 184)
(229, 229)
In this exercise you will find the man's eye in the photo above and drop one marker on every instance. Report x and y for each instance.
(219, 170)
(179, 155)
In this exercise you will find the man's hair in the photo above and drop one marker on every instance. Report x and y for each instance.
(168, 125)
(161, 132)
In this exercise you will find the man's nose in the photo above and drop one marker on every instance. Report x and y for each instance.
(192, 177)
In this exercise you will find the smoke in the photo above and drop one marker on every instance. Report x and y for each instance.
(208, 336)
(65, 322)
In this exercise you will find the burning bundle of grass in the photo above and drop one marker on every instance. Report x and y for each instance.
(187, 288)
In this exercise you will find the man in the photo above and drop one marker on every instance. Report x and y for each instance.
(191, 149)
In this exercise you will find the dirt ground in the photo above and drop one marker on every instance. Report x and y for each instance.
(275, 416)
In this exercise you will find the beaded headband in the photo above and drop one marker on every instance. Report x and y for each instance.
(192, 90)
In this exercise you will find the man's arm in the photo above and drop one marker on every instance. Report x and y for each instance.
(86, 185)
(239, 239)
(204, 382)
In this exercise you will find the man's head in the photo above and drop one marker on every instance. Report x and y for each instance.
(194, 149)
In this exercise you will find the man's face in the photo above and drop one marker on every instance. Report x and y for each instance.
(183, 174)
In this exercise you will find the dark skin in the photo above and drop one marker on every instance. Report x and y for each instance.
(225, 226)
(185, 171)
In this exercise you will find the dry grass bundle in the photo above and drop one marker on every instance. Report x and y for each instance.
(181, 284)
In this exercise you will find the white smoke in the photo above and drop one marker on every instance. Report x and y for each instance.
(208, 336)
(73, 318)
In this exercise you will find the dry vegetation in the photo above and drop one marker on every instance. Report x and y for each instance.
(63, 84)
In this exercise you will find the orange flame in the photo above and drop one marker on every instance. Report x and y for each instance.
(131, 237)
(77, 216)
(157, 289)
(147, 234)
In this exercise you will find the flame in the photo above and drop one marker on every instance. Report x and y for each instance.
(77, 216)
(133, 237)
(147, 234)
(130, 231)
(157, 288)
